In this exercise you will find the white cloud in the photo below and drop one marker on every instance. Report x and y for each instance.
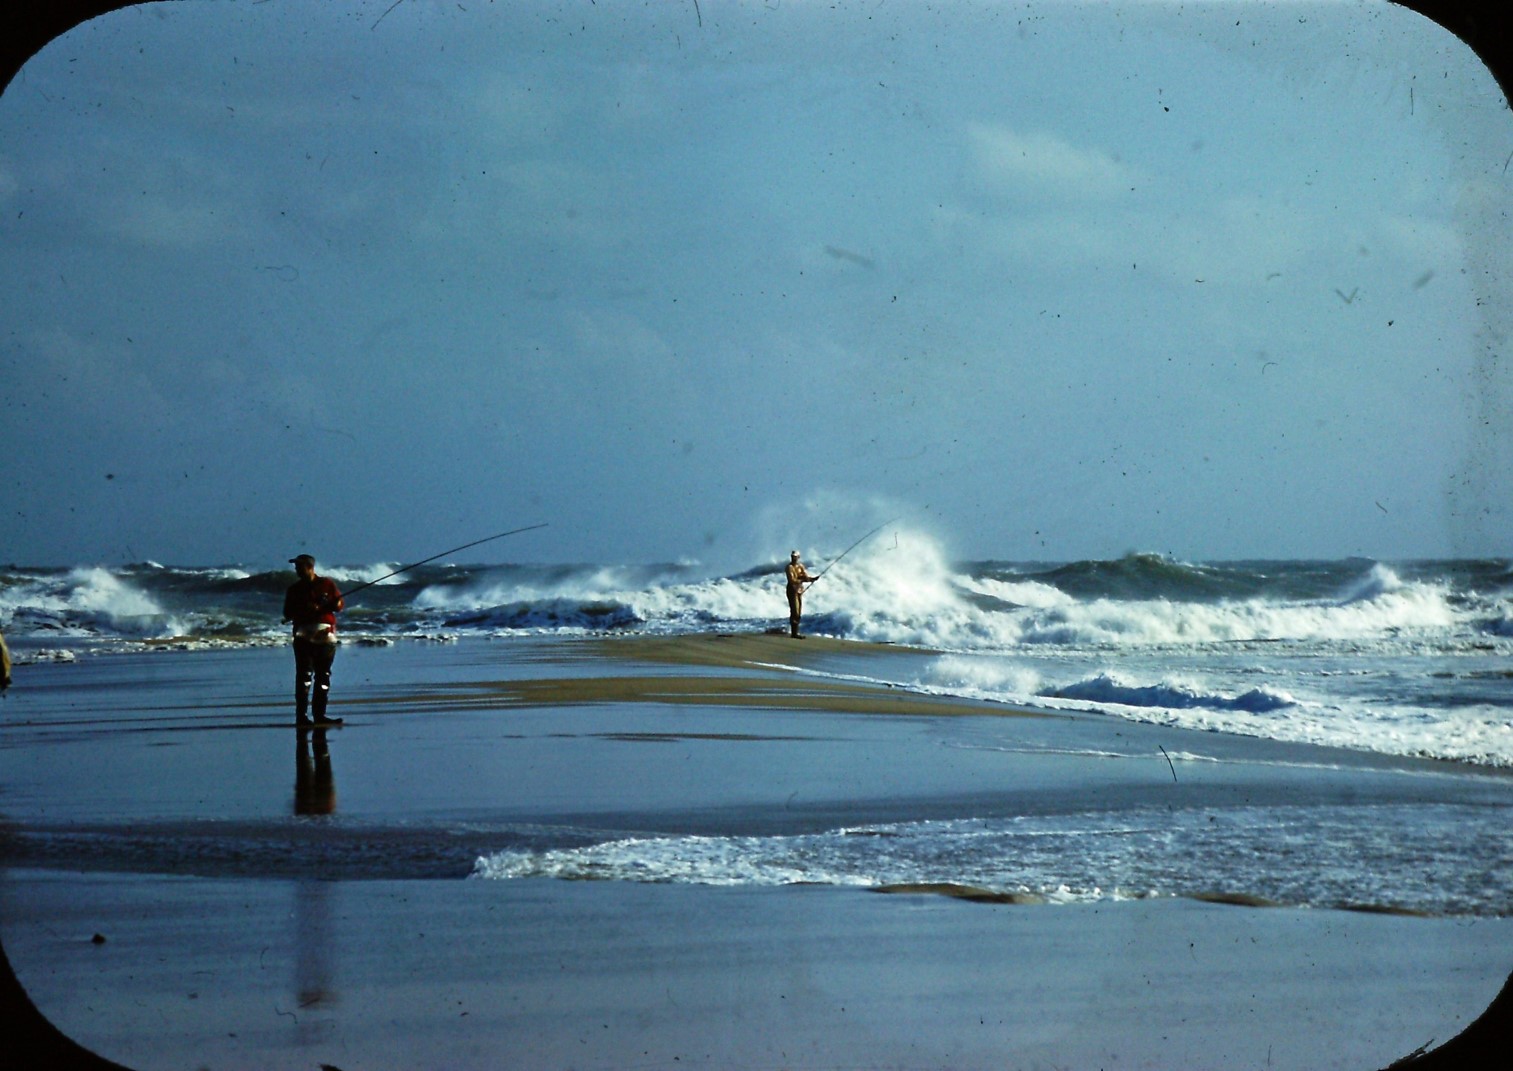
(559, 200)
(1241, 240)
(101, 382)
(153, 221)
(1038, 163)
(511, 109)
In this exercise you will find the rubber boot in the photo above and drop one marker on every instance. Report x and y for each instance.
(318, 704)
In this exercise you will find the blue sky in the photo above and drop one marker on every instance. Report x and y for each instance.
(705, 281)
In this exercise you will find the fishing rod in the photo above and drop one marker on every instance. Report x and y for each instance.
(848, 550)
(443, 554)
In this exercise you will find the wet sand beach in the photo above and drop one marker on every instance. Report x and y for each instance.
(267, 899)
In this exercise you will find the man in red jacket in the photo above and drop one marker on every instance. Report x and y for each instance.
(312, 603)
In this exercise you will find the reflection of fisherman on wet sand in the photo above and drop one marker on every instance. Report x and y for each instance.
(314, 785)
(314, 794)
(798, 576)
(314, 974)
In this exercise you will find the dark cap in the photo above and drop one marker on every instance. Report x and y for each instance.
(306, 559)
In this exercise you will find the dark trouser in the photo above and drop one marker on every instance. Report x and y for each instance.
(312, 663)
(795, 609)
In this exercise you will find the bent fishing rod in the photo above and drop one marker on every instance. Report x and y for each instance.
(443, 554)
(848, 550)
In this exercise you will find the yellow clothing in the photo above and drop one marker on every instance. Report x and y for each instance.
(798, 576)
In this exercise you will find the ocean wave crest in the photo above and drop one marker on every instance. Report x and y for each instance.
(89, 600)
(1105, 688)
(549, 614)
(1390, 611)
(1378, 581)
(1140, 575)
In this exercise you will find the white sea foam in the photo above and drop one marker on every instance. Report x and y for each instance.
(721, 599)
(98, 590)
(1482, 735)
(1376, 709)
(84, 602)
(982, 678)
(1378, 581)
(1439, 858)
(1109, 689)
(45, 654)
(1029, 593)
(1417, 608)
(376, 574)
(691, 860)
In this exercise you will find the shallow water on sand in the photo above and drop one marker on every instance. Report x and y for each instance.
(498, 861)
(184, 762)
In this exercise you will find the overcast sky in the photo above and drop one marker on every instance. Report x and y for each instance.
(703, 280)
